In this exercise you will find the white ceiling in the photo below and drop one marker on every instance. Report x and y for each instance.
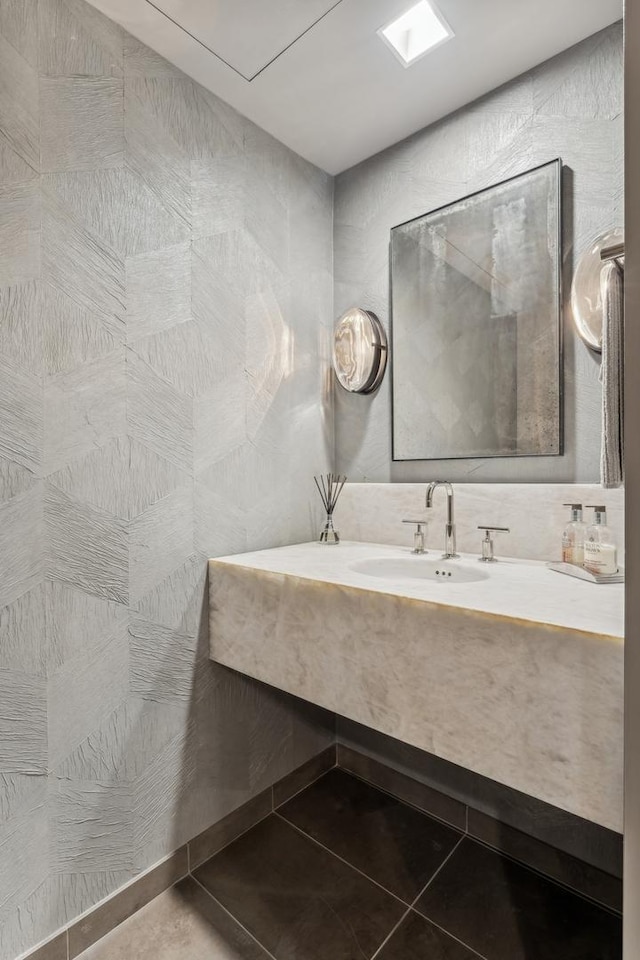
(316, 76)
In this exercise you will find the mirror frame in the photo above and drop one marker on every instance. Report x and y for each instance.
(559, 313)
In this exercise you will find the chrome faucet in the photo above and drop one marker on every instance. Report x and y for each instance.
(450, 527)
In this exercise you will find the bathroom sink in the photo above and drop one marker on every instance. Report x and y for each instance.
(418, 568)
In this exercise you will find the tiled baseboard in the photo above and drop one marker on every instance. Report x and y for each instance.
(582, 839)
(565, 869)
(69, 943)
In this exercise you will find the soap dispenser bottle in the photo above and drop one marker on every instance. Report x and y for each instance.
(573, 537)
(600, 550)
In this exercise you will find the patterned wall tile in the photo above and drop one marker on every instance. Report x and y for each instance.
(19, 232)
(19, 26)
(21, 793)
(177, 601)
(156, 159)
(160, 793)
(587, 148)
(122, 477)
(23, 723)
(13, 168)
(84, 409)
(71, 336)
(21, 325)
(117, 207)
(193, 117)
(160, 540)
(77, 40)
(219, 293)
(22, 634)
(22, 546)
(219, 195)
(145, 726)
(158, 286)
(185, 356)
(30, 921)
(584, 82)
(75, 620)
(87, 547)
(133, 360)
(161, 662)
(21, 416)
(220, 524)
(219, 419)
(158, 416)
(78, 699)
(24, 844)
(81, 123)
(92, 827)
(234, 259)
(19, 104)
(14, 480)
(142, 61)
(267, 222)
(83, 268)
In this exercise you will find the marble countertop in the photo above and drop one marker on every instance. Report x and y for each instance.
(514, 589)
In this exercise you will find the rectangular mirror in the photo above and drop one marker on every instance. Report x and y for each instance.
(476, 324)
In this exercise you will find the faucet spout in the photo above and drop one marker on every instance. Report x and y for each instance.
(450, 527)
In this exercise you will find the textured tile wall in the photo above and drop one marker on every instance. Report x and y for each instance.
(569, 107)
(165, 296)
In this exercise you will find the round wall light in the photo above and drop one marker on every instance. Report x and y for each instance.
(359, 351)
(586, 290)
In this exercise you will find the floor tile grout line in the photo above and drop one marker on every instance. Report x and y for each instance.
(434, 875)
(196, 866)
(414, 806)
(465, 830)
(341, 859)
(302, 789)
(234, 918)
(391, 933)
(475, 953)
(413, 909)
(410, 909)
(545, 876)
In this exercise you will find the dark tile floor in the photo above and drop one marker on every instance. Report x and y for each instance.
(345, 872)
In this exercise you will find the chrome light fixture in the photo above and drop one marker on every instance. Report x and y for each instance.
(359, 351)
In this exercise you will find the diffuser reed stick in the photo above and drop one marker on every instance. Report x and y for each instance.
(329, 487)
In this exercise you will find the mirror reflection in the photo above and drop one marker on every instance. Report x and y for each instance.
(476, 324)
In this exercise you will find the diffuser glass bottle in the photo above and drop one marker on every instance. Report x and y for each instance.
(329, 487)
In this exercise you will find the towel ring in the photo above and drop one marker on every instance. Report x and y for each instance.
(586, 296)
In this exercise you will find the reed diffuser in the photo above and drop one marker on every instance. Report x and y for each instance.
(329, 487)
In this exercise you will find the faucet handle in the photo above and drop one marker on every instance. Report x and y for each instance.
(487, 543)
(418, 536)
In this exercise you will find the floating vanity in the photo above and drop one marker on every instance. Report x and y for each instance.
(507, 669)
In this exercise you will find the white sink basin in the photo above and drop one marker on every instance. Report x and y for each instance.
(419, 568)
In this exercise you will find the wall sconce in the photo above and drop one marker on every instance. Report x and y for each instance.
(359, 351)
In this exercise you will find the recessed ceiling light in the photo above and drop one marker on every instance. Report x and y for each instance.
(418, 30)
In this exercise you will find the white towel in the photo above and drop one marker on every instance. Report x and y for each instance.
(612, 376)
